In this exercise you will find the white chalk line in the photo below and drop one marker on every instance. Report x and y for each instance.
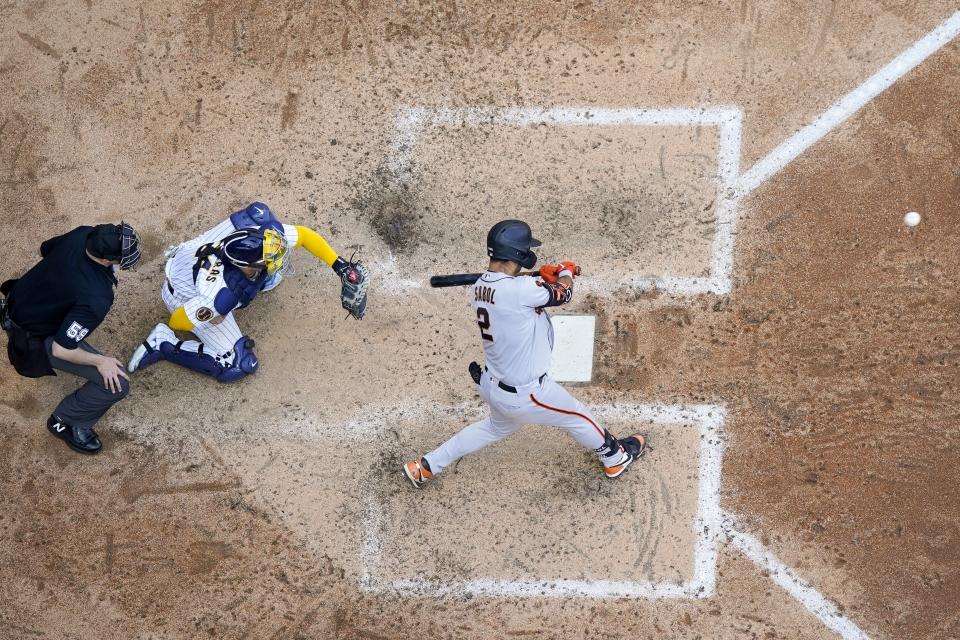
(411, 123)
(371, 420)
(711, 524)
(788, 580)
(879, 82)
(534, 589)
(707, 524)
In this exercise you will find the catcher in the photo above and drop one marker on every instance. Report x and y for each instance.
(222, 270)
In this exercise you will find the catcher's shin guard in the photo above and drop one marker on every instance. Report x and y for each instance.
(244, 361)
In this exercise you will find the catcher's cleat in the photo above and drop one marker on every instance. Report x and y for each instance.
(634, 447)
(418, 471)
(148, 351)
(475, 372)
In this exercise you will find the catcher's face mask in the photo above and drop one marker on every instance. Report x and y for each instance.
(256, 249)
(275, 251)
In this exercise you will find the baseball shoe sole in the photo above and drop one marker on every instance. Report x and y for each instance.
(416, 473)
(634, 446)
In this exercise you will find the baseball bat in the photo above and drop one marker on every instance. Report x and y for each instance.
(464, 279)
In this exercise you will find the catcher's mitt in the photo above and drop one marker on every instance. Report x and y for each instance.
(353, 294)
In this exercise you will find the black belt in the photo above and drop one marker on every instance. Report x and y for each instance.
(507, 387)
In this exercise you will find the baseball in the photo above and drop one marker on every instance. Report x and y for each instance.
(912, 219)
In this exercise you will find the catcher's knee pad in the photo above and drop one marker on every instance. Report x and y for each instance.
(244, 361)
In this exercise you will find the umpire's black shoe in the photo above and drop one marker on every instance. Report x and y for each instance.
(81, 439)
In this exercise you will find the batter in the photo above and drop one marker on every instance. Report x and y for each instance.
(517, 339)
(222, 270)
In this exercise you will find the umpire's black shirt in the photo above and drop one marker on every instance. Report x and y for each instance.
(65, 295)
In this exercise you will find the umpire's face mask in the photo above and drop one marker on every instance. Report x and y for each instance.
(118, 243)
(129, 246)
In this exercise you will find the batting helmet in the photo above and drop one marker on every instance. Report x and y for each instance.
(252, 247)
(512, 240)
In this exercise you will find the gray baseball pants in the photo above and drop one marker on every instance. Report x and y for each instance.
(85, 406)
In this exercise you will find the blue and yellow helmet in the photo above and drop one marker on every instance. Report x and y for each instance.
(256, 247)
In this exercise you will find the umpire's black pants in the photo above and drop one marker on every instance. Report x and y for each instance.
(86, 405)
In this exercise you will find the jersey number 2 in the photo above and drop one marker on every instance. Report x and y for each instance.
(483, 319)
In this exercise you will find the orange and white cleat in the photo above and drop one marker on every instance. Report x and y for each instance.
(418, 471)
(634, 447)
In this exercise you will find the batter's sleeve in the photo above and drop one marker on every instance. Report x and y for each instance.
(530, 293)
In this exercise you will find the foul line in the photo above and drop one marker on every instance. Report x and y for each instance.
(781, 574)
(849, 104)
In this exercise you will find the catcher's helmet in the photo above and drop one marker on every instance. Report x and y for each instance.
(512, 240)
(252, 247)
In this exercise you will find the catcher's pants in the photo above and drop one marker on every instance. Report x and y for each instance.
(218, 340)
(545, 403)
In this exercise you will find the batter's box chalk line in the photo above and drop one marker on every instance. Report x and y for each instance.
(411, 124)
(707, 526)
(711, 526)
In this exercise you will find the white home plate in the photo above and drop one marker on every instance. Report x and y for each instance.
(572, 348)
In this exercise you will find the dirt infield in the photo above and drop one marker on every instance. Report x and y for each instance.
(274, 508)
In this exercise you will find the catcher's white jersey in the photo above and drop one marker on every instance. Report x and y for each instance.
(517, 336)
(195, 287)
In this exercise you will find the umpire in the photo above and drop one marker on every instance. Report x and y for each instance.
(49, 313)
